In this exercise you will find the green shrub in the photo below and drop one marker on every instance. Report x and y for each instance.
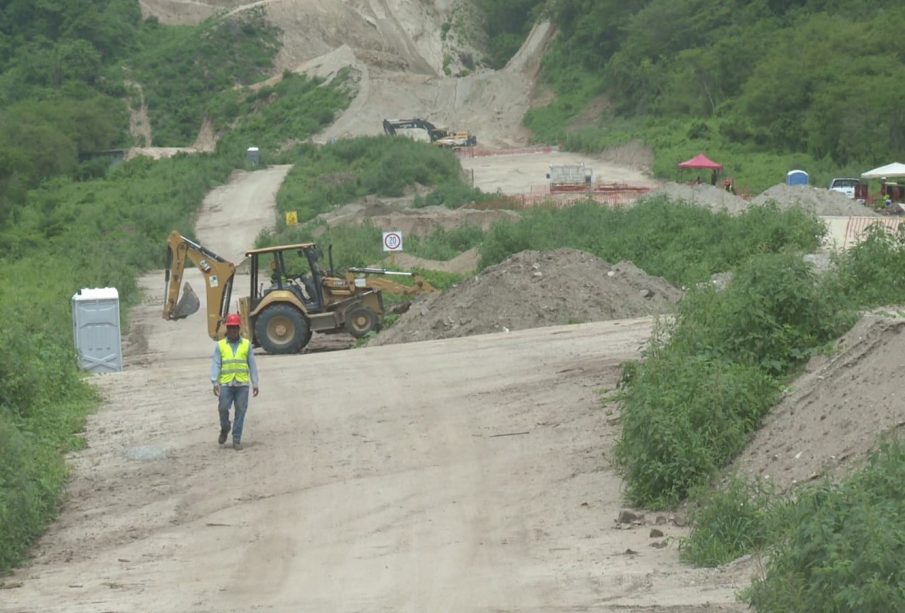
(683, 418)
(452, 194)
(335, 174)
(731, 521)
(442, 244)
(181, 68)
(870, 274)
(278, 119)
(843, 546)
(772, 316)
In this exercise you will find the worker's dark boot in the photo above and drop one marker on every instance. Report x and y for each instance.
(223, 434)
(237, 445)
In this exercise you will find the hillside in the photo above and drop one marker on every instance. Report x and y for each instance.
(399, 58)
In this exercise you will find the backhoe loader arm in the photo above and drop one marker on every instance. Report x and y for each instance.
(218, 281)
(359, 277)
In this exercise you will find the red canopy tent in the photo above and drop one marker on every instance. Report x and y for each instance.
(701, 161)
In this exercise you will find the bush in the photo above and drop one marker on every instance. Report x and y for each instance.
(683, 418)
(731, 521)
(870, 274)
(843, 547)
(772, 316)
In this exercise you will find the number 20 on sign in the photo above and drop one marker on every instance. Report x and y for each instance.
(392, 241)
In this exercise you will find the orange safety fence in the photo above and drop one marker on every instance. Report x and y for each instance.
(856, 226)
(471, 152)
(540, 196)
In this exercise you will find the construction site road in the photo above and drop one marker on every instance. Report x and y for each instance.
(468, 474)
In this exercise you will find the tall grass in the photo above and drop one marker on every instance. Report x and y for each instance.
(682, 243)
(324, 177)
(100, 233)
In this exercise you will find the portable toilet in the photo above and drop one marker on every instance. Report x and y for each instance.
(95, 326)
(797, 177)
(253, 155)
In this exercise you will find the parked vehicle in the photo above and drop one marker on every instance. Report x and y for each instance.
(853, 188)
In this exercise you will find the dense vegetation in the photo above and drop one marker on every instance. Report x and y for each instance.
(762, 86)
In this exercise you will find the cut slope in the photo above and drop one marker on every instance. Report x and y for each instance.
(833, 415)
(401, 53)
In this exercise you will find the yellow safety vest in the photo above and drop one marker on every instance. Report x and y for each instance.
(234, 367)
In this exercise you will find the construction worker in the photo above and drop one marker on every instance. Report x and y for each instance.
(233, 369)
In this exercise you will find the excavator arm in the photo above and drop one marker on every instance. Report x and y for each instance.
(218, 281)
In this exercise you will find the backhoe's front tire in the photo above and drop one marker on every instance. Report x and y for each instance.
(282, 329)
(360, 320)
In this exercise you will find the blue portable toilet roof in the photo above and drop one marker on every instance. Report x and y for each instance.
(797, 177)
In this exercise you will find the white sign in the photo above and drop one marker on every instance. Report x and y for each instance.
(392, 241)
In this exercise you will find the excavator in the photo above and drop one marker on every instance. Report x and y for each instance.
(290, 297)
(442, 137)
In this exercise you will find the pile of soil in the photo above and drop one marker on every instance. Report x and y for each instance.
(836, 412)
(823, 202)
(533, 289)
(703, 195)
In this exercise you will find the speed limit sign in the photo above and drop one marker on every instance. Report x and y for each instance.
(392, 241)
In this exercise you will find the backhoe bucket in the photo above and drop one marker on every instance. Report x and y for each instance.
(187, 304)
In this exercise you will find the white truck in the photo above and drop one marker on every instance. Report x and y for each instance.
(849, 187)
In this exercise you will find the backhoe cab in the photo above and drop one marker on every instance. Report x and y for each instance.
(290, 295)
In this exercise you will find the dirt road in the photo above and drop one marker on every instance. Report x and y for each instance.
(462, 475)
(468, 474)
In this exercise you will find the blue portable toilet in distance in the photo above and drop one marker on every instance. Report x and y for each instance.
(797, 177)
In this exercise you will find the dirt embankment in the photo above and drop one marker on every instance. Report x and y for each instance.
(533, 289)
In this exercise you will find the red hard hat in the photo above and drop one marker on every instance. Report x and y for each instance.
(233, 320)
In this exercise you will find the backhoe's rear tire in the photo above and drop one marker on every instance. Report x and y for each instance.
(282, 329)
(360, 320)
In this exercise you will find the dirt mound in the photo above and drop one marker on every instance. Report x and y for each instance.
(707, 196)
(533, 289)
(832, 418)
(823, 202)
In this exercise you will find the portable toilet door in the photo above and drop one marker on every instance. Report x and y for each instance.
(797, 177)
(95, 325)
(253, 155)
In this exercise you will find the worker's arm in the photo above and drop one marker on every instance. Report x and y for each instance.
(253, 371)
(215, 370)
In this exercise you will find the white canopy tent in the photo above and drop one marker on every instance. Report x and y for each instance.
(895, 170)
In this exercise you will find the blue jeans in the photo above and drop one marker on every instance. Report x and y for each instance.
(233, 395)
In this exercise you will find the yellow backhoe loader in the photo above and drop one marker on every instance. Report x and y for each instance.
(290, 296)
